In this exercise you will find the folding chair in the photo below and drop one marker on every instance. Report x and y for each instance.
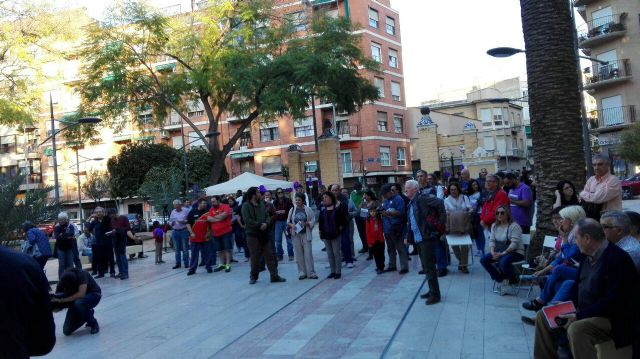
(549, 243)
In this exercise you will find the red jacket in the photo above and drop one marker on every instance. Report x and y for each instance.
(199, 228)
(488, 214)
(374, 233)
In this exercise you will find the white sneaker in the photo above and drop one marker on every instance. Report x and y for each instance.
(349, 265)
(505, 287)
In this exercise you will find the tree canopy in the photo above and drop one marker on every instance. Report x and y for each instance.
(96, 185)
(162, 185)
(238, 59)
(629, 147)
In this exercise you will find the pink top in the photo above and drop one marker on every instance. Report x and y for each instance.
(605, 190)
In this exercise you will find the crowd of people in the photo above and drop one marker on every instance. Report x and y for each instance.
(595, 262)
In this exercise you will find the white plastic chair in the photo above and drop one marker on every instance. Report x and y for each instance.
(460, 240)
(549, 243)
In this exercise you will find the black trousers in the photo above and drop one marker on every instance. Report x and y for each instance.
(427, 252)
(377, 251)
(362, 231)
(259, 249)
(105, 258)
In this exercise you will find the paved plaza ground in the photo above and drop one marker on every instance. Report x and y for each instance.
(162, 313)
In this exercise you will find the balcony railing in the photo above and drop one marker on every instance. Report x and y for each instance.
(601, 28)
(243, 143)
(345, 131)
(612, 118)
(351, 167)
(614, 70)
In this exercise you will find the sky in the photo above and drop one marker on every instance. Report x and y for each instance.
(444, 43)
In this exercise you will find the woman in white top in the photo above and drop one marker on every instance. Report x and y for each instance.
(460, 204)
(506, 248)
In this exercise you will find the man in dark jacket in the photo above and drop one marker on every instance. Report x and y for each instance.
(606, 292)
(427, 218)
(26, 322)
(282, 206)
(257, 223)
(100, 225)
(343, 203)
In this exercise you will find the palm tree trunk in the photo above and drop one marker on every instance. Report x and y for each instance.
(554, 101)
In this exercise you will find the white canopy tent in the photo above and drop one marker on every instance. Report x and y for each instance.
(244, 181)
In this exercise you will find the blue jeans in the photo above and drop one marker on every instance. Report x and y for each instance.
(441, 255)
(559, 274)
(480, 240)
(565, 291)
(196, 249)
(122, 263)
(65, 260)
(281, 226)
(505, 267)
(88, 253)
(80, 312)
(180, 238)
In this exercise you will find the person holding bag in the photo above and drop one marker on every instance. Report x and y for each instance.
(506, 247)
(300, 221)
(200, 237)
(459, 211)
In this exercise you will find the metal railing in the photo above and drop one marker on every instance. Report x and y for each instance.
(601, 26)
(350, 167)
(244, 142)
(610, 71)
(612, 117)
(344, 130)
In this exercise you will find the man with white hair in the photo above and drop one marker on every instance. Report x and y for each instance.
(64, 233)
(617, 230)
(427, 218)
(180, 236)
(602, 192)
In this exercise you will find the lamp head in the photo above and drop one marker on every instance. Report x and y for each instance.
(89, 120)
(503, 51)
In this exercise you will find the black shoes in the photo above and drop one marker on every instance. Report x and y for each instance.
(337, 276)
(209, 270)
(124, 277)
(176, 266)
(379, 271)
(422, 271)
(391, 269)
(363, 250)
(425, 295)
(95, 328)
(191, 272)
(253, 280)
(432, 300)
(404, 271)
(532, 305)
(332, 275)
(369, 258)
(278, 280)
(442, 272)
(528, 321)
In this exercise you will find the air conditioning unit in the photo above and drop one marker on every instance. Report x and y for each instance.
(243, 148)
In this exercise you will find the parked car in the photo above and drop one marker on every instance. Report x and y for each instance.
(138, 224)
(631, 186)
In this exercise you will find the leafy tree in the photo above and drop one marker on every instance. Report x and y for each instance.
(161, 186)
(30, 36)
(629, 147)
(34, 206)
(96, 185)
(199, 163)
(235, 58)
(128, 169)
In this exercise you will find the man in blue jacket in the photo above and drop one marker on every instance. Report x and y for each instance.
(606, 290)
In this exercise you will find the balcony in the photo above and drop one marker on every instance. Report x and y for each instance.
(613, 73)
(351, 168)
(347, 132)
(601, 30)
(612, 119)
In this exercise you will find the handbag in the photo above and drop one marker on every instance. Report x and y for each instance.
(458, 222)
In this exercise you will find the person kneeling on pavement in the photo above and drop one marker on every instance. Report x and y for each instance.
(79, 292)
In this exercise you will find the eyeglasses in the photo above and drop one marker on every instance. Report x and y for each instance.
(499, 213)
(609, 226)
(279, 192)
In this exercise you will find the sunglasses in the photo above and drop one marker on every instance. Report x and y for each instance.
(500, 213)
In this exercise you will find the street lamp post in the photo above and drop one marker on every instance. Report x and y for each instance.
(501, 52)
(52, 137)
(80, 214)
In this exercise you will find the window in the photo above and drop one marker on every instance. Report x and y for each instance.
(176, 141)
(395, 91)
(194, 140)
(398, 126)
(401, 154)
(376, 52)
(311, 166)
(497, 116)
(347, 166)
(382, 122)
(246, 166)
(271, 165)
(374, 19)
(385, 156)
(269, 134)
(485, 116)
(391, 26)
(298, 20)
(393, 58)
(505, 116)
(489, 143)
(303, 128)
(379, 83)
(145, 118)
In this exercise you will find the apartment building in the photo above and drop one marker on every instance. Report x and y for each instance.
(611, 34)
(18, 156)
